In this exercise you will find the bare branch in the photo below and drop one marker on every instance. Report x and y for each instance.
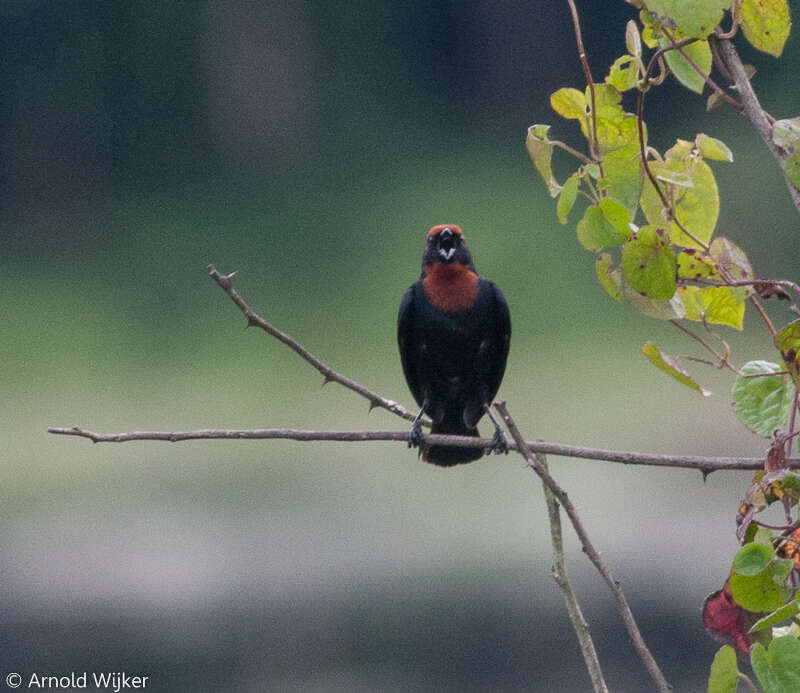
(588, 548)
(752, 108)
(701, 463)
(579, 624)
(330, 375)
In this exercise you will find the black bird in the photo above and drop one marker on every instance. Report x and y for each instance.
(453, 330)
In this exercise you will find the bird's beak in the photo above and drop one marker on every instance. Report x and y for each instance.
(447, 245)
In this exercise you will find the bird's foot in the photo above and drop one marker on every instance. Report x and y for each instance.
(499, 444)
(415, 435)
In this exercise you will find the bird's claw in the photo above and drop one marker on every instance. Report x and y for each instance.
(415, 435)
(499, 444)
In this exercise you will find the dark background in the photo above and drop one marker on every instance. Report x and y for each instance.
(310, 145)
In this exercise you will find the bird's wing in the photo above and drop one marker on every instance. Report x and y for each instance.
(502, 330)
(405, 321)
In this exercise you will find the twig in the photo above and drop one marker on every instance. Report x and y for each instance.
(701, 463)
(330, 375)
(753, 110)
(733, 103)
(579, 624)
(723, 360)
(594, 143)
(591, 552)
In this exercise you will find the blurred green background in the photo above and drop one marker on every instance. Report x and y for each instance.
(310, 145)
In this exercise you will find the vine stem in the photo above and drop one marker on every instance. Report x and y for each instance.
(589, 549)
(594, 144)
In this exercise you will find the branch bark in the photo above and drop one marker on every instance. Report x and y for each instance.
(704, 464)
(330, 375)
(591, 552)
(752, 108)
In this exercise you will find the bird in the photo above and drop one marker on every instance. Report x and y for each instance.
(453, 331)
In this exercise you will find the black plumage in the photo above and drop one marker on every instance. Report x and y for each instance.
(453, 331)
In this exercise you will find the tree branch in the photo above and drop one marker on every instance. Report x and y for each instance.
(752, 108)
(591, 552)
(576, 617)
(330, 375)
(704, 464)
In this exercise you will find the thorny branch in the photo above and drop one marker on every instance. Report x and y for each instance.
(704, 464)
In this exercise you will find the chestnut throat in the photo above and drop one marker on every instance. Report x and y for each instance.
(450, 287)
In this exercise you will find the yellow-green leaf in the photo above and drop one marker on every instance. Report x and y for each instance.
(697, 208)
(712, 148)
(792, 169)
(788, 343)
(648, 262)
(567, 197)
(623, 73)
(720, 305)
(786, 133)
(671, 366)
(540, 149)
(610, 277)
(766, 24)
(695, 264)
(661, 310)
(569, 103)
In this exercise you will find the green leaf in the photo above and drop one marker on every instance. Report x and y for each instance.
(604, 95)
(623, 172)
(792, 169)
(724, 675)
(540, 149)
(777, 668)
(567, 197)
(671, 366)
(786, 611)
(720, 305)
(766, 24)
(758, 592)
(786, 133)
(661, 310)
(764, 403)
(596, 232)
(693, 17)
(711, 148)
(569, 103)
(648, 262)
(700, 53)
(617, 215)
(623, 73)
(697, 208)
(610, 277)
(752, 559)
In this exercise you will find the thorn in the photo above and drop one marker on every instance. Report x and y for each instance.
(372, 406)
(706, 472)
(251, 321)
(326, 379)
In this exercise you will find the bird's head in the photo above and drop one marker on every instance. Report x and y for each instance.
(446, 245)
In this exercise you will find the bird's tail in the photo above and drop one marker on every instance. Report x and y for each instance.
(448, 455)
